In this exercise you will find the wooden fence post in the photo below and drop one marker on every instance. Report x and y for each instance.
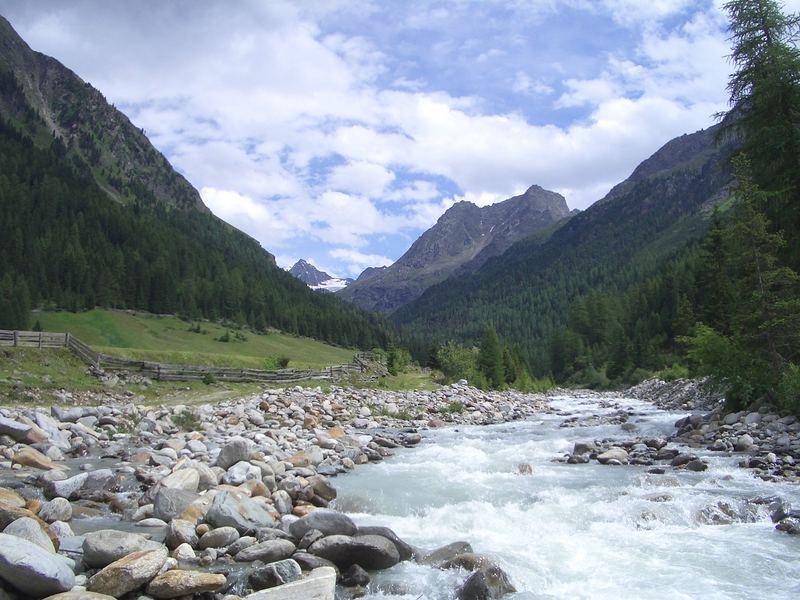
(16, 338)
(66, 340)
(40, 340)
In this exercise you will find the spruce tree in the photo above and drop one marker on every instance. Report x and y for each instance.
(490, 359)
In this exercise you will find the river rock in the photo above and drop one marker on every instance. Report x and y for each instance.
(183, 479)
(236, 450)
(101, 548)
(176, 583)
(309, 562)
(274, 574)
(268, 551)
(180, 532)
(31, 457)
(218, 538)
(319, 585)
(170, 503)
(445, 553)
(322, 487)
(789, 525)
(11, 498)
(27, 528)
(79, 595)
(613, 456)
(744, 443)
(128, 573)
(370, 551)
(73, 487)
(240, 472)
(405, 551)
(239, 511)
(696, 465)
(57, 509)
(31, 569)
(329, 522)
(354, 576)
(487, 583)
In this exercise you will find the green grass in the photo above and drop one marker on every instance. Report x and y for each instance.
(415, 379)
(169, 339)
(52, 369)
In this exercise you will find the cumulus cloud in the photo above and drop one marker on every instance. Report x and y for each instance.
(301, 122)
(356, 261)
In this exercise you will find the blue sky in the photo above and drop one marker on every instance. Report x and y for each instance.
(338, 131)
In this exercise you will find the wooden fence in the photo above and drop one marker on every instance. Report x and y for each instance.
(363, 362)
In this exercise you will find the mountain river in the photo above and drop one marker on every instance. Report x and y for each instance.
(575, 531)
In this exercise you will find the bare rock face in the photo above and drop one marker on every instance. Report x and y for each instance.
(462, 240)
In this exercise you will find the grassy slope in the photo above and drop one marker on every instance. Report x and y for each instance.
(168, 339)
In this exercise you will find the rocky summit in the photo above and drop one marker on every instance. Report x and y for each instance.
(228, 499)
(461, 241)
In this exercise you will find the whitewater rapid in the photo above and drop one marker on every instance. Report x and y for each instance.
(574, 531)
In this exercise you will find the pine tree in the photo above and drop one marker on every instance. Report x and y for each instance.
(765, 90)
(490, 359)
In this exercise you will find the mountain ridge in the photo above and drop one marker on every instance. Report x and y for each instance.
(119, 156)
(526, 291)
(461, 241)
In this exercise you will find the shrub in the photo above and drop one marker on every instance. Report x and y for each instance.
(208, 379)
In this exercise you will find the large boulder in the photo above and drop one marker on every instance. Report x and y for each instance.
(31, 457)
(372, 552)
(234, 510)
(175, 583)
(441, 555)
(182, 479)
(170, 503)
(129, 573)
(218, 538)
(405, 550)
(180, 532)
(267, 552)
(101, 548)
(236, 450)
(329, 522)
(274, 574)
(613, 456)
(28, 528)
(73, 488)
(33, 570)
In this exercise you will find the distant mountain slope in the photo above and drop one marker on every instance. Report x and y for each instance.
(525, 292)
(45, 100)
(65, 243)
(316, 279)
(462, 240)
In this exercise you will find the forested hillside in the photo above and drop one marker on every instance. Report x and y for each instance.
(639, 230)
(91, 214)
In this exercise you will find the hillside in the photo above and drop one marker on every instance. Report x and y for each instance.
(462, 240)
(65, 242)
(142, 335)
(617, 242)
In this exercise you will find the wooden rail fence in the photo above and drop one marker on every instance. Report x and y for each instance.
(363, 362)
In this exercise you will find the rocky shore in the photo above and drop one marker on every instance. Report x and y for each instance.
(226, 500)
(766, 442)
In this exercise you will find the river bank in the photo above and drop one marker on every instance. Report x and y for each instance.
(232, 496)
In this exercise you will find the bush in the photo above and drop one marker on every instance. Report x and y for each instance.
(789, 389)
(186, 421)
(208, 379)
(283, 362)
(673, 373)
(457, 362)
(455, 407)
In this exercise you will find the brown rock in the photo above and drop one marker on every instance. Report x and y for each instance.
(11, 498)
(31, 457)
(128, 573)
(173, 584)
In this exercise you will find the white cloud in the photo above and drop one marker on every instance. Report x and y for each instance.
(361, 177)
(523, 84)
(249, 104)
(357, 261)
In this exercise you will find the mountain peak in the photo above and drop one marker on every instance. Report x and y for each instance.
(48, 100)
(316, 279)
(462, 240)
